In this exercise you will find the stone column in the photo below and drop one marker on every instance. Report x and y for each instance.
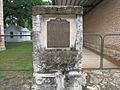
(78, 80)
(37, 28)
(79, 40)
(2, 44)
(37, 22)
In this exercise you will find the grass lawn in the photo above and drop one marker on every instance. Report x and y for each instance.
(17, 56)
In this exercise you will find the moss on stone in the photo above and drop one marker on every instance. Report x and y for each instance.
(57, 60)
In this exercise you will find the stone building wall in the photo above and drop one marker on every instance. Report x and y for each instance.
(2, 47)
(104, 19)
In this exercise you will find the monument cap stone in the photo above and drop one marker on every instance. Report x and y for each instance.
(61, 10)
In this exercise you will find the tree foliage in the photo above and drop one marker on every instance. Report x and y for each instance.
(20, 11)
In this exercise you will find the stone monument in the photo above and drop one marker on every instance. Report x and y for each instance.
(57, 47)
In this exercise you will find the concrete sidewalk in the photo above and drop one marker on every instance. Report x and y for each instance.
(92, 60)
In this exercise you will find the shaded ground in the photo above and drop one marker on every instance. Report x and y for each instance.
(92, 60)
(15, 81)
(17, 56)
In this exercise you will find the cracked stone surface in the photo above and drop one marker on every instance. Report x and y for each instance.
(103, 79)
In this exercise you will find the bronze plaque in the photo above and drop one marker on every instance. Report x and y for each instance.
(58, 33)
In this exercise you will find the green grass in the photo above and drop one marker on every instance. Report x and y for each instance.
(17, 56)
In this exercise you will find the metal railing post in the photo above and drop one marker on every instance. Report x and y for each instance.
(101, 47)
(101, 52)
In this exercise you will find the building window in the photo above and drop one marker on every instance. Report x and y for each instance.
(11, 34)
(20, 35)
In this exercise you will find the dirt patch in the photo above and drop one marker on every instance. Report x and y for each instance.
(14, 82)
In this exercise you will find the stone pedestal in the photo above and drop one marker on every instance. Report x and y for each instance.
(57, 48)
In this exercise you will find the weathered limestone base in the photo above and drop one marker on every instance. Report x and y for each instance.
(102, 79)
(72, 80)
(54, 70)
(91, 80)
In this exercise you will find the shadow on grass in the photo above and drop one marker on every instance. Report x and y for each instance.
(17, 56)
(10, 45)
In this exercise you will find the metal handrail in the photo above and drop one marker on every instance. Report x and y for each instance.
(102, 44)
